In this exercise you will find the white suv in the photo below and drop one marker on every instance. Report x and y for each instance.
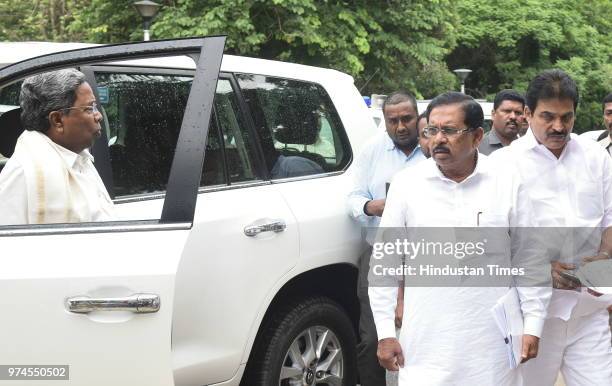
(234, 261)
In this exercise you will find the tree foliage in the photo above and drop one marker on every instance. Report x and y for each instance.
(507, 42)
(385, 45)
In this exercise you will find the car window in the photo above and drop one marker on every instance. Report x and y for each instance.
(141, 109)
(143, 114)
(237, 143)
(9, 95)
(299, 128)
(9, 99)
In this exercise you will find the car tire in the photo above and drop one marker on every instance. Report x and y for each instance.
(312, 340)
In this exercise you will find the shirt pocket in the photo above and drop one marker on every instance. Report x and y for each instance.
(589, 201)
(492, 219)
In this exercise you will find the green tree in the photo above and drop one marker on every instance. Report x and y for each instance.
(388, 43)
(506, 43)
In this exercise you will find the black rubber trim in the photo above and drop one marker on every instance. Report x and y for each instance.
(186, 171)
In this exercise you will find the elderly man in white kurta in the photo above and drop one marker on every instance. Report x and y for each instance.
(569, 182)
(50, 178)
(449, 336)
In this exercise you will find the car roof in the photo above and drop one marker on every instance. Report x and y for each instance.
(12, 52)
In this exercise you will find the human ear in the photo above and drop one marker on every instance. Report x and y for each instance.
(528, 115)
(55, 121)
(478, 135)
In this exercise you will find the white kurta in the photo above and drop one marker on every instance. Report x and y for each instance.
(574, 192)
(448, 335)
(45, 183)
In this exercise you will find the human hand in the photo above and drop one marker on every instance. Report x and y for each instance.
(375, 207)
(558, 281)
(530, 347)
(390, 354)
(589, 259)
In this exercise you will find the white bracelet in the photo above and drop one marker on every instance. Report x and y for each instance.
(606, 254)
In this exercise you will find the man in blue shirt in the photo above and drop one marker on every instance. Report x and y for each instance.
(385, 155)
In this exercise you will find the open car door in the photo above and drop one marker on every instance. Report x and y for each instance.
(96, 299)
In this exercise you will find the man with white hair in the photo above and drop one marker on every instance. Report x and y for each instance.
(50, 178)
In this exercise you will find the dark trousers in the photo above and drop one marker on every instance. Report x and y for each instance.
(370, 372)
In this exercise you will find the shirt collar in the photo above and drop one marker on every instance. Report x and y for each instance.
(70, 158)
(433, 171)
(529, 142)
(493, 138)
(390, 146)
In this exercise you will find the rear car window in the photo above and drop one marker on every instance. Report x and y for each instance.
(299, 128)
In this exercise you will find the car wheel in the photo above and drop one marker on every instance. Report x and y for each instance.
(309, 343)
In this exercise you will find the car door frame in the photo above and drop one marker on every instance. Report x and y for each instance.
(185, 172)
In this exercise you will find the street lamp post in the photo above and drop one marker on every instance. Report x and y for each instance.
(147, 10)
(462, 73)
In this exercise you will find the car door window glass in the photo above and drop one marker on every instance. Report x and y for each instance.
(9, 100)
(237, 143)
(143, 113)
(300, 130)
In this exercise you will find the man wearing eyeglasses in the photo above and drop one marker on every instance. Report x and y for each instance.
(448, 335)
(388, 153)
(50, 177)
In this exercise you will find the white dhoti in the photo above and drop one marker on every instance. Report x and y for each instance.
(449, 337)
(579, 348)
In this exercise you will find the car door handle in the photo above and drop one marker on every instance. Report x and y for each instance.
(137, 303)
(273, 226)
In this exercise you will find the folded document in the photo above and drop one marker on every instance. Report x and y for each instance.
(509, 319)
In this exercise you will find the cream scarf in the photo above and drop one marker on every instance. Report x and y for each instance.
(55, 194)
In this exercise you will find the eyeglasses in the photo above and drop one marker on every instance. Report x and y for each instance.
(432, 131)
(87, 109)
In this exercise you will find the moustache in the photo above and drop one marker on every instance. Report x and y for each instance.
(557, 134)
(512, 122)
(440, 149)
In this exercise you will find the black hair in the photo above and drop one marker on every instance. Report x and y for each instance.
(607, 99)
(474, 117)
(551, 84)
(507, 95)
(398, 97)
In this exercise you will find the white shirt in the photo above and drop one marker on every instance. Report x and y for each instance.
(372, 170)
(90, 203)
(574, 190)
(448, 334)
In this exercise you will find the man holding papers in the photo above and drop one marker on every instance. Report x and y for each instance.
(569, 182)
(449, 334)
